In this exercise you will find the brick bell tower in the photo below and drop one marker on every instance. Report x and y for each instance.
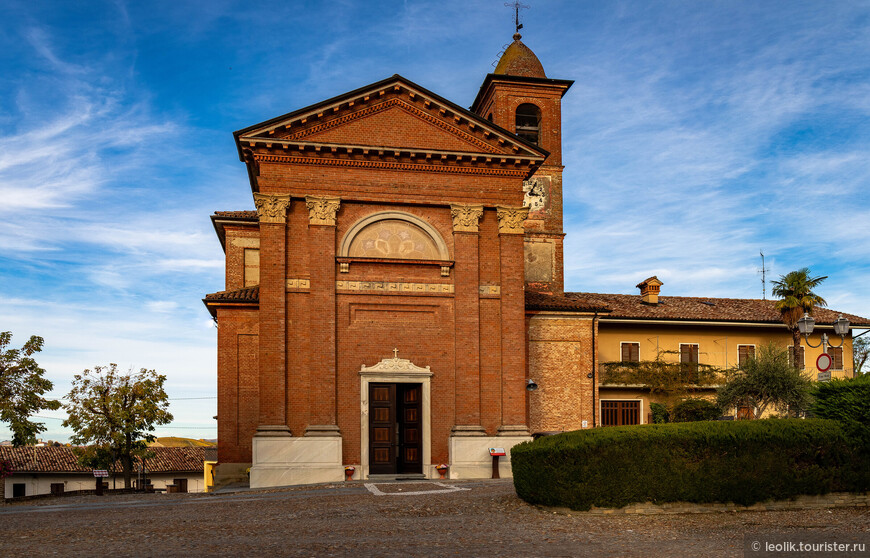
(519, 97)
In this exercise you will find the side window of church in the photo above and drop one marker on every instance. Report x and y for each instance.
(744, 353)
(800, 356)
(528, 122)
(836, 357)
(630, 352)
(252, 267)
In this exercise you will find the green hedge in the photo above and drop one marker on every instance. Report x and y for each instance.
(845, 400)
(742, 462)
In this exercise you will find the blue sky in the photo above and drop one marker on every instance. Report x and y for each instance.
(695, 135)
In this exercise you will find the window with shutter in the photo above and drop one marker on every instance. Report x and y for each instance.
(800, 356)
(744, 353)
(836, 357)
(688, 353)
(630, 352)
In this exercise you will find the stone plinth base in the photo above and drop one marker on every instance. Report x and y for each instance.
(229, 473)
(470, 459)
(282, 460)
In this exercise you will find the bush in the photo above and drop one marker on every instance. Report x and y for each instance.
(693, 410)
(741, 462)
(660, 413)
(847, 401)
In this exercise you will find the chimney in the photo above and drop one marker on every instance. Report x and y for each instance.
(649, 290)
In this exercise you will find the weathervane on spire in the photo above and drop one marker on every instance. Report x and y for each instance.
(517, 7)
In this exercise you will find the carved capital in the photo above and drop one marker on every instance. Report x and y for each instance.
(322, 209)
(466, 217)
(510, 219)
(272, 209)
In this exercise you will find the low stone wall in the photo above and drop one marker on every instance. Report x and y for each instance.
(833, 500)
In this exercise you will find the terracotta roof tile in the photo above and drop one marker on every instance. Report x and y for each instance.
(31, 459)
(705, 309)
(247, 294)
(566, 302)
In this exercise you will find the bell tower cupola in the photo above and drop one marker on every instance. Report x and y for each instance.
(519, 97)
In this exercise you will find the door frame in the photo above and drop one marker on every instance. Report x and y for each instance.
(395, 371)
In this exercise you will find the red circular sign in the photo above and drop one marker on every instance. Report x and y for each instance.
(823, 363)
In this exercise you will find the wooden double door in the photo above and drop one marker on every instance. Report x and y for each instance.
(395, 429)
(620, 413)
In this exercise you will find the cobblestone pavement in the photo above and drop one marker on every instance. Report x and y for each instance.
(348, 519)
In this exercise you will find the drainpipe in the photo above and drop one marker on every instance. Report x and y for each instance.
(594, 364)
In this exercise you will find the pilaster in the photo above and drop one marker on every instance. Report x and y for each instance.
(322, 375)
(510, 230)
(272, 214)
(466, 219)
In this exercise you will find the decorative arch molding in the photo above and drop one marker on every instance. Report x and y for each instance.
(396, 370)
(421, 240)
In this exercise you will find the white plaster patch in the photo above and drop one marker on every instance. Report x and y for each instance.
(445, 488)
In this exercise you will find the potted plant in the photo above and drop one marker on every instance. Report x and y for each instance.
(348, 472)
(442, 469)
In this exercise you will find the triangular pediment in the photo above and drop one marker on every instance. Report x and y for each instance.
(395, 123)
(390, 116)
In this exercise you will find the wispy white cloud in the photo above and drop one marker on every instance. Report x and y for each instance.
(684, 161)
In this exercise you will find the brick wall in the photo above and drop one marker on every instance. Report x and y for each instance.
(560, 359)
(238, 385)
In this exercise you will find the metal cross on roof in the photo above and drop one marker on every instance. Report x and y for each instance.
(517, 7)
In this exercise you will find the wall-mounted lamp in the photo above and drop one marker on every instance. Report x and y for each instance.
(531, 385)
(841, 328)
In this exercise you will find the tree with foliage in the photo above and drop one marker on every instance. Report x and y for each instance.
(860, 354)
(766, 381)
(117, 411)
(22, 387)
(796, 297)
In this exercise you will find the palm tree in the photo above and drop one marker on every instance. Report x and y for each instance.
(796, 296)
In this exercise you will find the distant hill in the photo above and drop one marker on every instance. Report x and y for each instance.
(175, 442)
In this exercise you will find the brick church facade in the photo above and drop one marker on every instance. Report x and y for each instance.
(375, 312)
(400, 285)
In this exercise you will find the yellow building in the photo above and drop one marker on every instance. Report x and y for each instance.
(719, 332)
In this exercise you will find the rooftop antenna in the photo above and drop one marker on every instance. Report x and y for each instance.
(517, 7)
(763, 271)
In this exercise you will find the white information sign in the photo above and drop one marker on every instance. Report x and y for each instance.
(824, 376)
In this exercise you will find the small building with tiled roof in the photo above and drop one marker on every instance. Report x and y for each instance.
(719, 332)
(36, 469)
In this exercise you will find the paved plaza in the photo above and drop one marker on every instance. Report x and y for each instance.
(472, 518)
